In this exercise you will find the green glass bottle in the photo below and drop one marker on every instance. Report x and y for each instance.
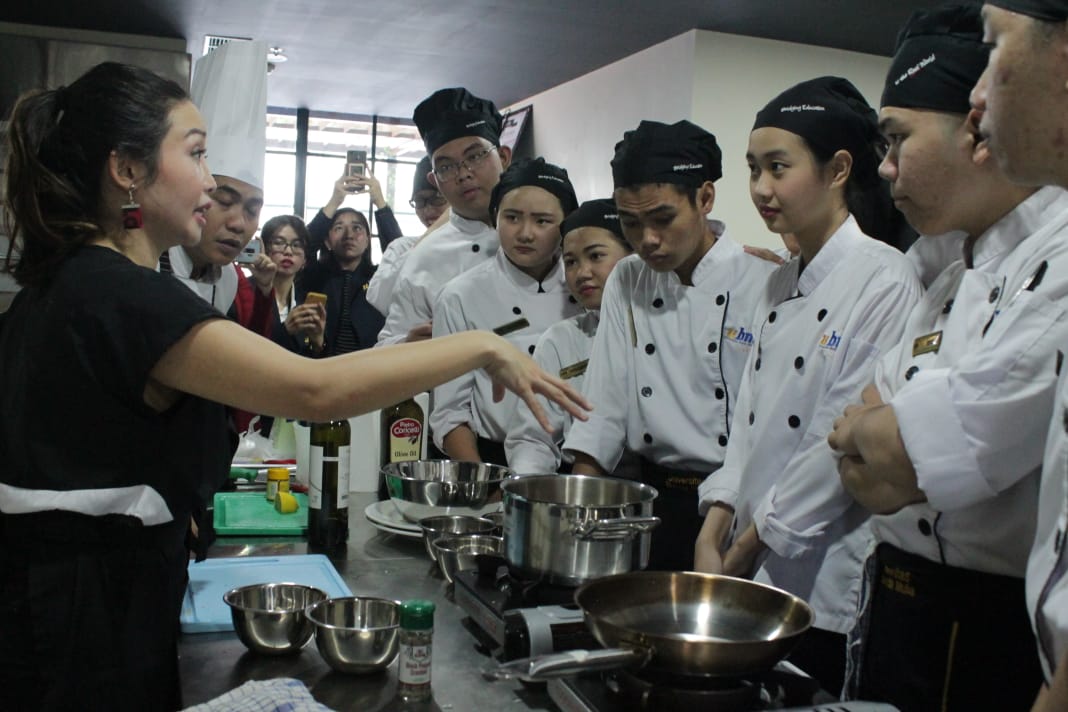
(403, 427)
(328, 493)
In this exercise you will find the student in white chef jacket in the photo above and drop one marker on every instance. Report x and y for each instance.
(518, 295)
(462, 135)
(675, 331)
(951, 459)
(593, 243)
(429, 205)
(1024, 107)
(823, 320)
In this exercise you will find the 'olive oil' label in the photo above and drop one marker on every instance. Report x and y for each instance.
(405, 440)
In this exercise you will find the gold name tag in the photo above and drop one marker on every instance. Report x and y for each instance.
(575, 369)
(927, 344)
(511, 326)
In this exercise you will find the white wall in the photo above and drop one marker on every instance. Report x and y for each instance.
(716, 80)
(577, 124)
(735, 77)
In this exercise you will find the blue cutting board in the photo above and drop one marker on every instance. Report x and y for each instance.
(203, 610)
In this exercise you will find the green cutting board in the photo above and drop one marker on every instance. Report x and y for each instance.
(243, 513)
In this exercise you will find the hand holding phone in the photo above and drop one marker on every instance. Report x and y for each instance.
(250, 252)
(356, 166)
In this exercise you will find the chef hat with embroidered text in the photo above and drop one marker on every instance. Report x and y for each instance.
(600, 213)
(1048, 10)
(449, 114)
(939, 57)
(538, 173)
(830, 114)
(230, 88)
(681, 153)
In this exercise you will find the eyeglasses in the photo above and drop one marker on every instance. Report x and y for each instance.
(450, 171)
(279, 244)
(357, 229)
(419, 203)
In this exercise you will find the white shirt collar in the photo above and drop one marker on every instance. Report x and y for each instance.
(838, 246)
(554, 281)
(1020, 223)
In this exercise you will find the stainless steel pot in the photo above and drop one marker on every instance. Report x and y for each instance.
(570, 529)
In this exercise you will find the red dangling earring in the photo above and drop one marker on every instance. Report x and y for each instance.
(131, 213)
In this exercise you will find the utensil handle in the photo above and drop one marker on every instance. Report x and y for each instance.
(572, 662)
(620, 528)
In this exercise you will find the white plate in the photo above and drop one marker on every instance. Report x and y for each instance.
(384, 515)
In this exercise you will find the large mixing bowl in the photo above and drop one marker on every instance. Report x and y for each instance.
(269, 617)
(430, 488)
(356, 635)
(459, 553)
(450, 524)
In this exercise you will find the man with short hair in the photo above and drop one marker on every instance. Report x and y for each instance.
(461, 133)
(675, 331)
(1023, 99)
(946, 448)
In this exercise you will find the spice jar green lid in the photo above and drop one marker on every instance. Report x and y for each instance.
(417, 615)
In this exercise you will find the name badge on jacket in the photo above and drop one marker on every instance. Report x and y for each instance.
(575, 369)
(927, 344)
(511, 326)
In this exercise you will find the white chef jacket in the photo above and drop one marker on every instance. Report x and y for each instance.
(564, 351)
(218, 287)
(668, 359)
(380, 289)
(820, 336)
(973, 414)
(1047, 586)
(453, 249)
(931, 254)
(495, 295)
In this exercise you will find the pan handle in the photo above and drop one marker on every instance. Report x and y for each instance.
(620, 528)
(572, 662)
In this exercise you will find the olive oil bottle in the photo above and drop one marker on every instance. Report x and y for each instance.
(403, 429)
(328, 492)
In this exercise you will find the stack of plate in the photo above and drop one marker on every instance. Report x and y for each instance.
(385, 517)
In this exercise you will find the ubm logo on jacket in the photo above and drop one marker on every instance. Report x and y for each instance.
(739, 335)
(830, 341)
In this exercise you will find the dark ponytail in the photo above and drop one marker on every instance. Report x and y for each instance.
(59, 142)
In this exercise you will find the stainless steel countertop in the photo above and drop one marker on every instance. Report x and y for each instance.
(374, 564)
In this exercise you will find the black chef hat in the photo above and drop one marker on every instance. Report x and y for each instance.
(939, 57)
(595, 213)
(830, 114)
(536, 172)
(1049, 10)
(682, 154)
(449, 114)
(421, 180)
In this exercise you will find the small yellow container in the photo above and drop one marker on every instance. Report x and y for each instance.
(277, 481)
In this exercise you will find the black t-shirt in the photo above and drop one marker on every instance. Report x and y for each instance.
(75, 356)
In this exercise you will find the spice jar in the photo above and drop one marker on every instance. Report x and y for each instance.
(277, 481)
(416, 632)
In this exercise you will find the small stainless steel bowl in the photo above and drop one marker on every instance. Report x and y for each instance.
(457, 553)
(450, 524)
(269, 617)
(429, 488)
(498, 522)
(356, 635)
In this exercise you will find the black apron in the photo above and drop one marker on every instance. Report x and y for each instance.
(491, 452)
(673, 542)
(89, 612)
(939, 637)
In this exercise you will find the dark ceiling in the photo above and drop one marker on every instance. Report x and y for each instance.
(383, 57)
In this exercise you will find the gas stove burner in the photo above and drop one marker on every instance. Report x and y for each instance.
(645, 691)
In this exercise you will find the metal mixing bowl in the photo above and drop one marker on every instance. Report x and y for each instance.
(450, 524)
(356, 635)
(429, 488)
(457, 553)
(269, 617)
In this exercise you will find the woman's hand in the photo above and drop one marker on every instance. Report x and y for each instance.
(708, 551)
(515, 371)
(263, 271)
(420, 332)
(306, 320)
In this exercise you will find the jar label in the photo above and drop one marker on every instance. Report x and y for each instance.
(414, 667)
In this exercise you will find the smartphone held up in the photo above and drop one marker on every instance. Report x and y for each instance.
(356, 166)
(249, 253)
